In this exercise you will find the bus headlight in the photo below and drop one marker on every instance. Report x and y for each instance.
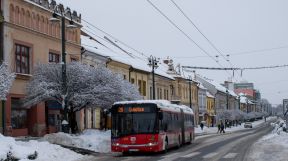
(116, 144)
(152, 144)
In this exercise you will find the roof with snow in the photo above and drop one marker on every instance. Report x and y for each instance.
(208, 94)
(243, 99)
(107, 49)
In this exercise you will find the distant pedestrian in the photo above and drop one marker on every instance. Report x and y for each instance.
(222, 128)
(219, 127)
(201, 125)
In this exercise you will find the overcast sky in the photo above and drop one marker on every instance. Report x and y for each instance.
(235, 27)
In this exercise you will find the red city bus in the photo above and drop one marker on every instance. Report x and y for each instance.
(150, 126)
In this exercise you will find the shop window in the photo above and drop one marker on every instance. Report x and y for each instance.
(18, 114)
(51, 120)
(22, 59)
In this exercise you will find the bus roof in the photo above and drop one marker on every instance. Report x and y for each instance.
(162, 104)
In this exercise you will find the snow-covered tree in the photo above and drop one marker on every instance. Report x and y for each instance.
(87, 87)
(6, 80)
(232, 115)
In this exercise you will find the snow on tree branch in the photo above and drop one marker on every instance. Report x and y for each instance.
(86, 86)
(6, 80)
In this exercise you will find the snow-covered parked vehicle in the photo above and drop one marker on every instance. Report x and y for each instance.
(248, 125)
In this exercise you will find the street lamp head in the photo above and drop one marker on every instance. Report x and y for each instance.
(150, 62)
(54, 20)
(156, 64)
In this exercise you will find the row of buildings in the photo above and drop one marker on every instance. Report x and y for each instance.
(28, 37)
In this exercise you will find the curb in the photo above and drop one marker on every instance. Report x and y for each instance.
(80, 150)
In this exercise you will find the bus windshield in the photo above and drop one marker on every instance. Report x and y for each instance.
(127, 120)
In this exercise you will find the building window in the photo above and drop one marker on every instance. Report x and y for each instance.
(144, 88)
(73, 59)
(18, 114)
(132, 80)
(140, 86)
(54, 58)
(124, 77)
(22, 59)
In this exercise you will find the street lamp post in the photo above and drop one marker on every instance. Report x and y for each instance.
(190, 92)
(247, 105)
(55, 19)
(153, 62)
(227, 99)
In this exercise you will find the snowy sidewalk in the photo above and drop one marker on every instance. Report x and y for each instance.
(275, 143)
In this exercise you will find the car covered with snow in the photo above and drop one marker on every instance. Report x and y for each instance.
(248, 125)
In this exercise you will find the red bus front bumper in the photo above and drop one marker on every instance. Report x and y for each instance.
(151, 147)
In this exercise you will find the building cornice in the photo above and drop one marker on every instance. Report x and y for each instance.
(26, 29)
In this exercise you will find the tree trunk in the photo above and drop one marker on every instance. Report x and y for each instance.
(73, 122)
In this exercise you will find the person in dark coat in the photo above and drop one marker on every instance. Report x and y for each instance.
(201, 125)
(222, 128)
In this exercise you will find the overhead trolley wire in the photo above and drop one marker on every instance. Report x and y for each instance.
(197, 28)
(186, 35)
(110, 35)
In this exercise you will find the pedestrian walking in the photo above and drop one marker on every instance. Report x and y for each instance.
(201, 125)
(222, 128)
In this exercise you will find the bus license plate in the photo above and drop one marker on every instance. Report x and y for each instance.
(133, 150)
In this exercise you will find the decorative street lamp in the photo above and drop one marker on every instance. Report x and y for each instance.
(153, 62)
(59, 14)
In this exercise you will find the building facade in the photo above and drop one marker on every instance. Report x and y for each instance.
(30, 38)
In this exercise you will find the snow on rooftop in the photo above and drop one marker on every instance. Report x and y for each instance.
(243, 99)
(201, 86)
(232, 93)
(208, 94)
(109, 50)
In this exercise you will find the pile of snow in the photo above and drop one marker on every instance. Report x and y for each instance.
(95, 140)
(44, 150)
(275, 143)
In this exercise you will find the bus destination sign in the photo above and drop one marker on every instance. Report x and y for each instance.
(132, 109)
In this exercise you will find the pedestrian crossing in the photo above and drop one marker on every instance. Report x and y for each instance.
(176, 156)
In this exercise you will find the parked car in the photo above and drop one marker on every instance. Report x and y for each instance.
(248, 125)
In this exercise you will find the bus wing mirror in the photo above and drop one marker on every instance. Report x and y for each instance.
(160, 116)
